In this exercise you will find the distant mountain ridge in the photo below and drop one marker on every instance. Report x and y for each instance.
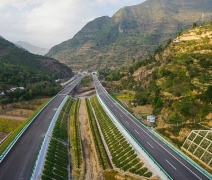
(130, 34)
(31, 48)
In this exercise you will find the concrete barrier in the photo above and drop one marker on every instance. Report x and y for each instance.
(39, 162)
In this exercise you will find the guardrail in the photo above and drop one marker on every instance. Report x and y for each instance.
(183, 155)
(170, 145)
(40, 158)
(9, 147)
(113, 116)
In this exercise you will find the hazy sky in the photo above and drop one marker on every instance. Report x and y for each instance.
(46, 23)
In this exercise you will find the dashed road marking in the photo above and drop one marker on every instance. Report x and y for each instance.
(171, 164)
(150, 145)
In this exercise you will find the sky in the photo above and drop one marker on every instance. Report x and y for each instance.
(46, 23)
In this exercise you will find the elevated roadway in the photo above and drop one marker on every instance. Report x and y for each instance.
(18, 163)
(174, 165)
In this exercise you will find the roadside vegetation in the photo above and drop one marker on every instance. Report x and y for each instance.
(176, 81)
(100, 149)
(18, 129)
(198, 145)
(57, 165)
(75, 140)
(123, 155)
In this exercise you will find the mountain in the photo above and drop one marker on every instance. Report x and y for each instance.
(176, 81)
(18, 67)
(130, 34)
(31, 48)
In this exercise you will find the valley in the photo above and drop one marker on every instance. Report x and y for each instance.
(124, 96)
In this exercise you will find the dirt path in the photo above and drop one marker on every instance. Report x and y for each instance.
(92, 169)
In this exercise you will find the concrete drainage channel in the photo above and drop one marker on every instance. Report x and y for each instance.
(39, 162)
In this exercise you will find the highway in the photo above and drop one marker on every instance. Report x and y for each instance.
(18, 163)
(175, 166)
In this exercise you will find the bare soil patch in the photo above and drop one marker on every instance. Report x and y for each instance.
(92, 169)
(21, 110)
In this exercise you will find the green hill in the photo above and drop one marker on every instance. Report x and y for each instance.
(19, 68)
(130, 34)
(176, 80)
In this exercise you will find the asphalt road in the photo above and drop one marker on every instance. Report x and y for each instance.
(169, 160)
(18, 163)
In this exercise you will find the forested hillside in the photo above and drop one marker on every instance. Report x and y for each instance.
(130, 34)
(176, 80)
(37, 74)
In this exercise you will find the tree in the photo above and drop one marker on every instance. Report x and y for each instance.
(194, 25)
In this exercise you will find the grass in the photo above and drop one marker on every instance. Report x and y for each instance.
(18, 130)
(76, 148)
(201, 151)
(57, 160)
(123, 156)
(101, 152)
(9, 125)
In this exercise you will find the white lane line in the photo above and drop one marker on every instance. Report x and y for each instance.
(120, 115)
(154, 139)
(127, 122)
(115, 110)
(111, 105)
(170, 164)
(150, 144)
(136, 131)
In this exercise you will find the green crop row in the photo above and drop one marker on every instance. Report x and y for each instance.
(57, 159)
(123, 156)
(101, 152)
(76, 149)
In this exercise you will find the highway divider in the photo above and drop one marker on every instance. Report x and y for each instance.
(12, 143)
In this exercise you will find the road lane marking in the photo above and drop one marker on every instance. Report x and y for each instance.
(131, 118)
(120, 115)
(115, 110)
(171, 164)
(150, 144)
(136, 131)
(127, 122)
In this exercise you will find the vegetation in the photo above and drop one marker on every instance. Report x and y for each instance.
(100, 149)
(37, 74)
(176, 80)
(57, 160)
(123, 156)
(9, 125)
(18, 130)
(173, 134)
(198, 143)
(86, 81)
(76, 148)
(128, 35)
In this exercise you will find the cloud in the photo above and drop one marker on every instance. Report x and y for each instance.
(49, 22)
